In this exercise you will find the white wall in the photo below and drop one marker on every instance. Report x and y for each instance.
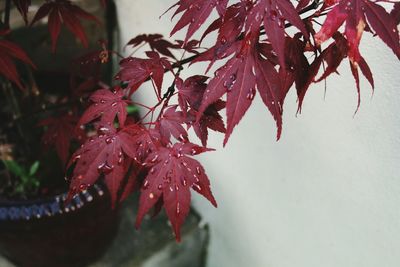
(327, 194)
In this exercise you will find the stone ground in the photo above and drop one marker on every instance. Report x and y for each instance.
(153, 245)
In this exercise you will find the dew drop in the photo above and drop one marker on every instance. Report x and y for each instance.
(171, 189)
(114, 104)
(102, 101)
(198, 170)
(151, 195)
(273, 14)
(102, 130)
(105, 168)
(152, 170)
(250, 95)
(182, 138)
(196, 186)
(76, 157)
(146, 184)
(83, 187)
(176, 187)
(109, 140)
(223, 40)
(280, 22)
(79, 177)
(183, 181)
(154, 159)
(177, 208)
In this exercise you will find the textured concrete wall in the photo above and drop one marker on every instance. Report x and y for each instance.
(327, 194)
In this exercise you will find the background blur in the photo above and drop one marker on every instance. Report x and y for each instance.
(327, 194)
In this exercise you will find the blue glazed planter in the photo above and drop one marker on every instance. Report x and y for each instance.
(47, 233)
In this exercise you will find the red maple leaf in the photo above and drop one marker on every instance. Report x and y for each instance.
(106, 105)
(190, 94)
(229, 28)
(135, 71)
(357, 14)
(23, 6)
(64, 12)
(156, 43)
(87, 70)
(239, 78)
(170, 124)
(172, 173)
(108, 154)
(145, 141)
(60, 132)
(195, 13)
(274, 15)
(299, 68)
(8, 52)
(210, 119)
(190, 91)
(190, 46)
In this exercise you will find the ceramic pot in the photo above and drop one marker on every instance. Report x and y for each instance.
(48, 233)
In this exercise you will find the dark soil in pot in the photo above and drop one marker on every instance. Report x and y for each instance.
(46, 233)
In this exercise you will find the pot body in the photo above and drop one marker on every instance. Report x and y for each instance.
(47, 233)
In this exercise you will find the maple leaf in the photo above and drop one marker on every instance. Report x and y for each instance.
(136, 71)
(333, 55)
(359, 16)
(23, 6)
(170, 123)
(108, 154)
(156, 43)
(145, 141)
(210, 119)
(274, 13)
(172, 173)
(190, 46)
(190, 91)
(131, 183)
(64, 12)
(8, 52)
(303, 72)
(87, 70)
(356, 13)
(60, 132)
(229, 28)
(106, 105)
(239, 78)
(195, 13)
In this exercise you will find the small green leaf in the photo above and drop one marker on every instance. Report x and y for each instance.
(14, 167)
(34, 168)
(132, 109)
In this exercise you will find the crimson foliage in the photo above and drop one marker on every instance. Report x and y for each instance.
(257, 55)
